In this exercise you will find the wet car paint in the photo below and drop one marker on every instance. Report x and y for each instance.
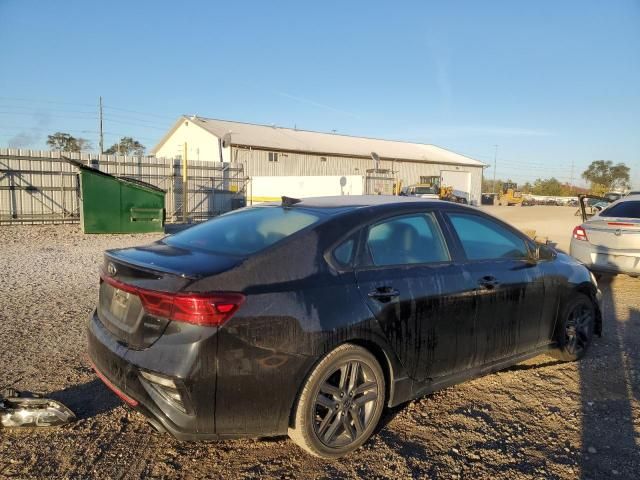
(244, 377)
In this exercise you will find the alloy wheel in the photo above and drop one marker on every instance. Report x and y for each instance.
(578, 329)
(345, 403)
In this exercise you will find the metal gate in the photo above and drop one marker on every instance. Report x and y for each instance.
(379, 182)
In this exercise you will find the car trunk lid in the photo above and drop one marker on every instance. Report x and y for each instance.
(614, 233)
(158, 268)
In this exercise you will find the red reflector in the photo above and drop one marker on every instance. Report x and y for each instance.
(123, 396)
(579, 233)
(225, 307)
(210, 309)
(621, 224)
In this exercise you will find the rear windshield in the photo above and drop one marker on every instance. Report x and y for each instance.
(629, 209)
(244, 231)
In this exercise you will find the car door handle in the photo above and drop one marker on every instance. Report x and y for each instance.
(384, 293)
(489, 282)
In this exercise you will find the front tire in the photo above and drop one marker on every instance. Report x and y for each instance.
(576, 330)
(340, 404)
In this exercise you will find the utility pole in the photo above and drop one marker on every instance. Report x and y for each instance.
(101, 132)
(495, 164)
(571, 180)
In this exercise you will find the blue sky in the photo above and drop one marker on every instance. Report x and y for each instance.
(552, 83)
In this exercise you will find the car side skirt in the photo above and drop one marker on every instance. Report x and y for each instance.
(433, 385)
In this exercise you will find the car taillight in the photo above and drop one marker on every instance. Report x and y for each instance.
(579, 233)
(209, 309)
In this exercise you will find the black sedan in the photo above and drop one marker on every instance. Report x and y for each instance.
(309, 317)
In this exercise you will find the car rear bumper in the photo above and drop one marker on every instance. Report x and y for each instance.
(232, 391)
(603, 259)
(120, 369)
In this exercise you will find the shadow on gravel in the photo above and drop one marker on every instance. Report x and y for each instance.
(87, 399)
(606, 391)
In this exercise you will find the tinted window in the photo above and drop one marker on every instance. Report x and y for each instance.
(344, 252)
(244, 231)
(406, 240)
(484, 239)
(629, 209)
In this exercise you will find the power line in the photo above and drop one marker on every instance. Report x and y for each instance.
(33, 100)
(137, 124)
(147, 114)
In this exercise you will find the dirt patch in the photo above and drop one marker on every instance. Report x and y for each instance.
(539, 419)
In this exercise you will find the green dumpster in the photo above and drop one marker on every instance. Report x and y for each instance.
(113, 204)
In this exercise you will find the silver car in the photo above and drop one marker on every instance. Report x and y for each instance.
(609, 241)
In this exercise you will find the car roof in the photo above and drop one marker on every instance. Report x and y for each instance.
(356, 201)
(361, 201)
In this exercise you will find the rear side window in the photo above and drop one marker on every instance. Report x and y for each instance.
(407, 240)
(244, 231)
(344, 252)
(629, 209)
(484, 239)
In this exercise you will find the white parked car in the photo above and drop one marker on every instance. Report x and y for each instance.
(609, 241)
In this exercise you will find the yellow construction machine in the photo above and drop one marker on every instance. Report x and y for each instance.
(510, 194)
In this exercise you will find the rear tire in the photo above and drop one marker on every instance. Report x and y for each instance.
(576, 328)
(340, 404)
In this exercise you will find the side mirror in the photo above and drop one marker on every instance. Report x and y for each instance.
(543, 252)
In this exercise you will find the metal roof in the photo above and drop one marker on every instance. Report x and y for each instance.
(271, 137)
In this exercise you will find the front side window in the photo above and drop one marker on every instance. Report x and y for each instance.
(405, 240)
(244, 231)
(484, 239)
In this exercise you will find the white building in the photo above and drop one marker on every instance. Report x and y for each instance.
(266, 150)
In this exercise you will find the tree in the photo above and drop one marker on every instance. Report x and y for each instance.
(126, 146)
(604, 176)
(63, 142)
(551, 187)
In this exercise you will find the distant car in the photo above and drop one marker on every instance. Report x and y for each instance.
(609, 241)
(632, 193)
(309, 317)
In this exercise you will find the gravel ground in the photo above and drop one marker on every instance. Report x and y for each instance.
(539, 419)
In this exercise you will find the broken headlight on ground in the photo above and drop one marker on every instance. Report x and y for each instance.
(23, 409)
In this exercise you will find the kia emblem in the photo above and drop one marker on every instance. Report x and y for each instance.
(112, 270)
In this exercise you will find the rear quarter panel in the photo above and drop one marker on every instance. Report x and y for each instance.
(297, 309)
